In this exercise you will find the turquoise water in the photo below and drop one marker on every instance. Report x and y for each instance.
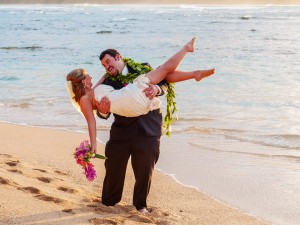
(238, 133)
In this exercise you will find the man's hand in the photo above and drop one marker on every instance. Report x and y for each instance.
(104, 105)
(151, 91)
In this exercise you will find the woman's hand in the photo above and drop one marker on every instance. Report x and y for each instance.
(151, 91)
(94, 149)
(104, 105)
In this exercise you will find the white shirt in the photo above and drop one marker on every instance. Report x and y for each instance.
(124, 73)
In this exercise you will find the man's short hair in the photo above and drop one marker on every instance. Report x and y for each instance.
(111, 52)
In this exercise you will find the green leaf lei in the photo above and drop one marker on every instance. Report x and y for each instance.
(143, 69)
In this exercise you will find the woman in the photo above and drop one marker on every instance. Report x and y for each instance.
(129, 101)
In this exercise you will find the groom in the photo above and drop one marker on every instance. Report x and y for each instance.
(135, 137)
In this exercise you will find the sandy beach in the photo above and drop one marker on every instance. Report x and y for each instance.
(40, 183)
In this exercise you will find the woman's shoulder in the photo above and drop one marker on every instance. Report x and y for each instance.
(84, 100)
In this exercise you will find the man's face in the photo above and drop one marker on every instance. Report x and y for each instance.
(112, 65)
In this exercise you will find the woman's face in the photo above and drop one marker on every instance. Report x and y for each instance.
(88, 80)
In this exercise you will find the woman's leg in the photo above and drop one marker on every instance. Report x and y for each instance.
(178, 76)
(157, 75)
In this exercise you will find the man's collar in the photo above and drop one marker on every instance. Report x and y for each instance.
(125, 70)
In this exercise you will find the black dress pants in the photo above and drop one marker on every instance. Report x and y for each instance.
(144, 152)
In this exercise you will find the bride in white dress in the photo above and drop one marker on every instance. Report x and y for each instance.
(129, 101)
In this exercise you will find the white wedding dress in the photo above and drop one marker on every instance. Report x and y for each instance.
(130, 101)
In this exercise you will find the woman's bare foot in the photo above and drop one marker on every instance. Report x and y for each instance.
(200, 74)
(143, 211)
(190, 45)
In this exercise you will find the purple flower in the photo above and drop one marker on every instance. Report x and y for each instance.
(90, 172)
(84, 145)
(83, 154)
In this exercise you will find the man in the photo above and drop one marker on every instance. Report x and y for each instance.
(138, 137)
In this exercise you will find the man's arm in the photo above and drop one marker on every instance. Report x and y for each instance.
(102, 115)
(163, 85)
(102, 79)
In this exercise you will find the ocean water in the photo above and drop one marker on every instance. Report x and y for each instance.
(237, 137)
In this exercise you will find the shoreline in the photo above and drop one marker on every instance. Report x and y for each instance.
(173, 176)
(177, 204)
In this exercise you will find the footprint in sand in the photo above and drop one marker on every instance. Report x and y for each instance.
(32, 190)
(136, 216)
(124, 208)
(114, 221)
(44, 179)
(4, 181)
(117, 209)
(41, 196)
(68, 211)
(61, 173)
(5, 155)
(92, 206)
(105, 209)
(43, 171)
(15, 171)
(12, 163)
(158, 213)
(91, 200)
(66, 189)
(49, 198)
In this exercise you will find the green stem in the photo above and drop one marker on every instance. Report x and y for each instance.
(100, 156)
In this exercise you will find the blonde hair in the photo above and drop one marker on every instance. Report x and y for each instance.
(76, 76)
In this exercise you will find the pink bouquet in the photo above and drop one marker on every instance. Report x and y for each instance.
(83, 154)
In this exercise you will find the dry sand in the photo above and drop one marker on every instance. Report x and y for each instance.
(40, 183)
